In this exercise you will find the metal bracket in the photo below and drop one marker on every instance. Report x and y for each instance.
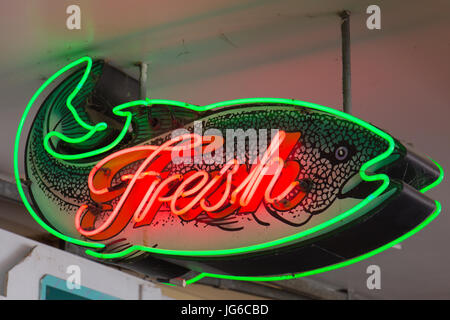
(346, 70)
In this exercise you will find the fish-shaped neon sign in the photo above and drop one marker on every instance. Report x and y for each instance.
(103, 175)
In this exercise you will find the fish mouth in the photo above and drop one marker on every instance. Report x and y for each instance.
(355, 187)
(358, 188)
(402, 165)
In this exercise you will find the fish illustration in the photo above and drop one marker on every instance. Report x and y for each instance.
(102, 172)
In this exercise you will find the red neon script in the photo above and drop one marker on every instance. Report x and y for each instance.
(140, 195)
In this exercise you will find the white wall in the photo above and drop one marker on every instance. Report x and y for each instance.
(23, 263)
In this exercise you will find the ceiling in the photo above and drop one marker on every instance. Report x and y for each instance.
(209, 51)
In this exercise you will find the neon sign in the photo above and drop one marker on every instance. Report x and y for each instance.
(97, 183)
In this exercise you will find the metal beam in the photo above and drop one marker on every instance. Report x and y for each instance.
(312, 289)
(8, 191)
(300, 288)
(257, 289)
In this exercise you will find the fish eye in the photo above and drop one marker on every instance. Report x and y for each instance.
(341, 153)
